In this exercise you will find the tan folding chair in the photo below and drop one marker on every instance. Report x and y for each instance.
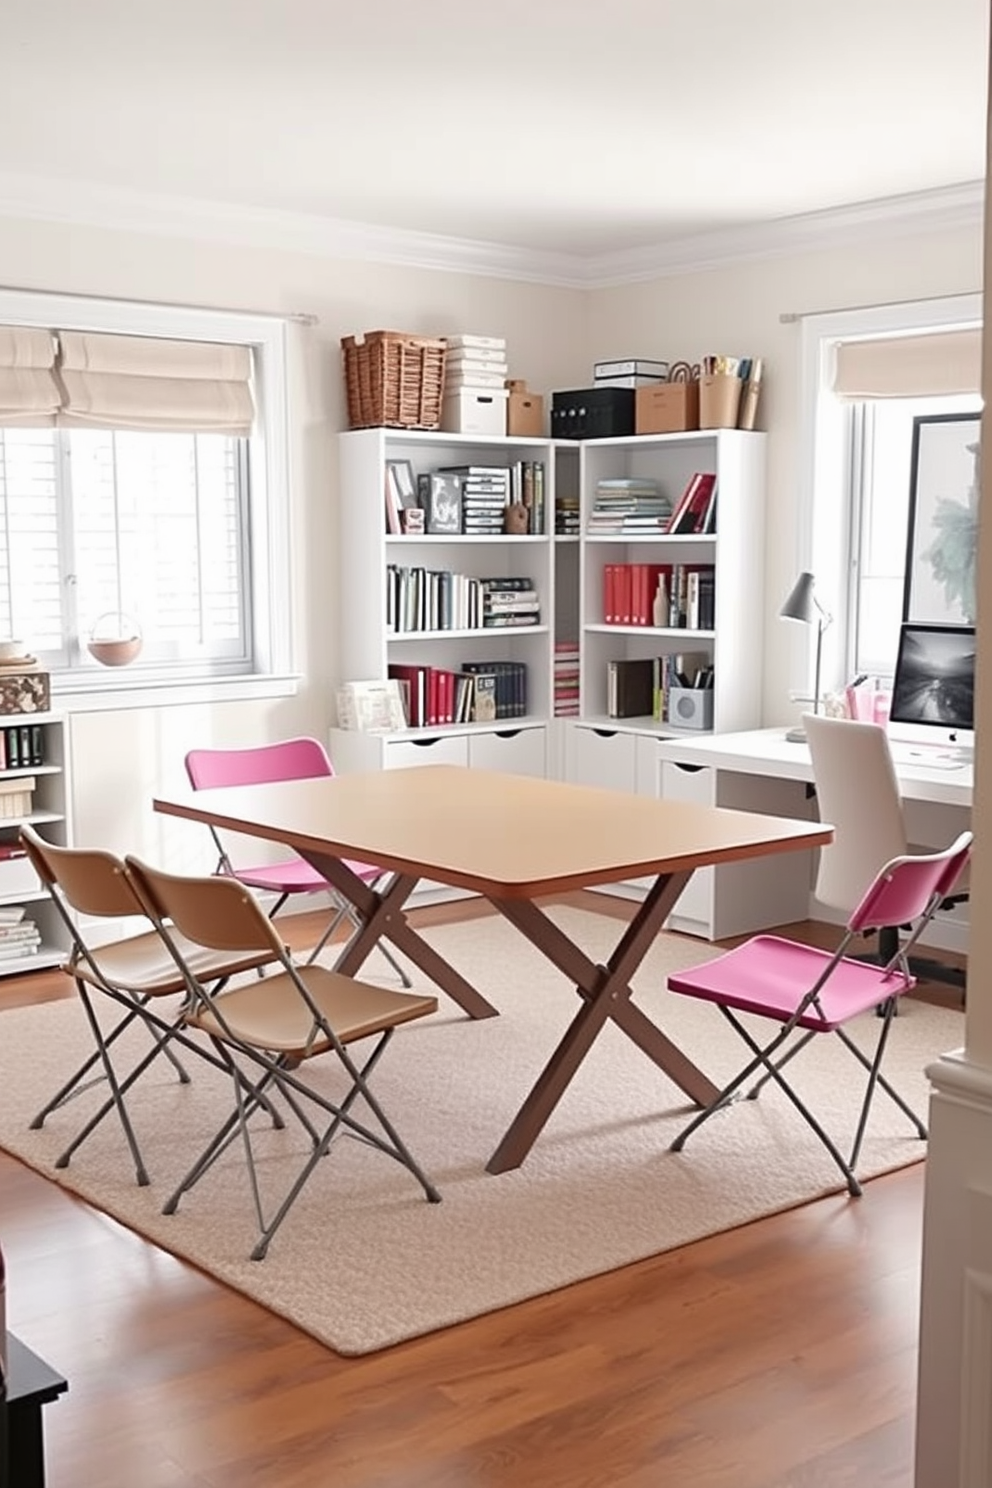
(276, 1025)
(138, 973)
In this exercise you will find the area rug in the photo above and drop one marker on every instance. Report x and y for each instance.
(363, 1260)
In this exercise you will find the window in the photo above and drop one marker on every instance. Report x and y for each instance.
(881, 434)
(114, 532)
(117, 518)
(866, 375)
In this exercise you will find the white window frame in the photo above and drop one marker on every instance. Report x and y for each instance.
(826, 537)
(269, 548)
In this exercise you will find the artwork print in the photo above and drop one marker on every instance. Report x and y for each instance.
(944, 494)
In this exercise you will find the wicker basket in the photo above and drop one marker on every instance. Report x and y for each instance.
(394, 380)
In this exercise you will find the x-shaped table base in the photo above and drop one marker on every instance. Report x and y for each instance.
(604, 990)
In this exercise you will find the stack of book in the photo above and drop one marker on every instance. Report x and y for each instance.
(19, 936)
(509, 601)
(475, 363)
(485, 494)
(636, 505)
(566, 516)
(566, 679)
(629, 372)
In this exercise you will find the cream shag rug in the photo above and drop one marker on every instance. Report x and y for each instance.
(363, 1261)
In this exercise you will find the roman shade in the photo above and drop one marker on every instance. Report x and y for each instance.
(142, 382)
(918, 366)
(29, 392)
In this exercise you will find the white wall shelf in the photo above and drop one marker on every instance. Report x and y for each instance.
(19, 884)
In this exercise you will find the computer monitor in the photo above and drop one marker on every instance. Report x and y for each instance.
(934, 682)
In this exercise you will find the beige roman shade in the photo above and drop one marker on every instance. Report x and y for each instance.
(29, 393)
(141, 382)
(918, 366)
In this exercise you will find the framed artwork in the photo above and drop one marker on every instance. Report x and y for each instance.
(942, 542)
(404, 485)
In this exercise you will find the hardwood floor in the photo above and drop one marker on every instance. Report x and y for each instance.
(780, 1355)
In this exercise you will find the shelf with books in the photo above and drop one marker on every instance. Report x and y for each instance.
(37, 791)
(430, 606)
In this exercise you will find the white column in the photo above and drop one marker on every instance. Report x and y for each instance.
(954, 1407)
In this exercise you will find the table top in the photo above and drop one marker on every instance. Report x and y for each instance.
(769, 752)
(508, 835)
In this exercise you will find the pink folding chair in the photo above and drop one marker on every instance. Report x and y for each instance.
(289, 759)
(809, 991)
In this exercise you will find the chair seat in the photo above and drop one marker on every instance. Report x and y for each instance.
(769, 976)
(296, 876)
(143, 964)
(270, 1014)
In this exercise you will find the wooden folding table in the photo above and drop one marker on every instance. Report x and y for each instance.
(513, 839)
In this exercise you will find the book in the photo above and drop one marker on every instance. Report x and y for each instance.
(371, 707)
(630, 688)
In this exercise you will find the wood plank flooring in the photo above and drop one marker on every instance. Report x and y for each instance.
(781, 1355)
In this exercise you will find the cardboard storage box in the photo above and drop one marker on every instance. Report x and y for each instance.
(719, 401)
(667, 408)
(525, 414)
(474, 411)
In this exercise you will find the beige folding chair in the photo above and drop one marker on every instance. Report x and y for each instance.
(138, 973)
(275, 1025)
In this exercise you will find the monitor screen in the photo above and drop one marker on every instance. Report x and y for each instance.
(934, 680)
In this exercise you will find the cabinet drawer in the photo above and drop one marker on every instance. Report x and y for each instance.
(601, 757)
(438, 750)
(514, 751)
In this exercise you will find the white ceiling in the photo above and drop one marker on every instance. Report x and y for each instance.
(570, 127)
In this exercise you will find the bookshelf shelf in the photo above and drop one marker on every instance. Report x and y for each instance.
(19, 884)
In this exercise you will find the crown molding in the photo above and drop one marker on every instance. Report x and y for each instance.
(940, 210)
(88, 204)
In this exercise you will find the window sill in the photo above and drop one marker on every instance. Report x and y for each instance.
(104, 697)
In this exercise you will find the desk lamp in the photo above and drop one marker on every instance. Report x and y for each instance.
(802, 604)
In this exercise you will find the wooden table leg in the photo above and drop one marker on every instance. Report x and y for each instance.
(382, 917)
(605, 993)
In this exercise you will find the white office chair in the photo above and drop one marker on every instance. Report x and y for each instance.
(858, 794)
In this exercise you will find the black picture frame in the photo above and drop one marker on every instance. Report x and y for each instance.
(404, 482)
(942, 532)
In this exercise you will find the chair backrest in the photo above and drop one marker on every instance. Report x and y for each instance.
(90, 880)
(257, 764)
(218, 913)
(287, 759)
(858, 795)
(909, 889)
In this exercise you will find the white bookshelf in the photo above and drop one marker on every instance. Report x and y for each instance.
(368, 646)
(19, 884)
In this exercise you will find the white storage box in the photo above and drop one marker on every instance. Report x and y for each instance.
(470, 411)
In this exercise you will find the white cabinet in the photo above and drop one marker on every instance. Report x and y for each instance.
(732, 643)
(372, 640)
(35, 790)
(514, 749)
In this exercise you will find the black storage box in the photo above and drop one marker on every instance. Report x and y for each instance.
(592, 413)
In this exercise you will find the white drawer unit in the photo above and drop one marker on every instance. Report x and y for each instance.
(601, 756)
(521, 751)
(741, 897)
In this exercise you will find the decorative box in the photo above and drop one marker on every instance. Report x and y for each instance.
(26, 690)
(592, 413)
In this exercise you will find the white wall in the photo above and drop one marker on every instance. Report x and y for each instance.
(736, 310)
(120, 757)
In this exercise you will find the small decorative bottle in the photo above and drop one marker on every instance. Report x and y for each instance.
(659, 609)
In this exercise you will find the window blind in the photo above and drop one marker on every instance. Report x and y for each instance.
(29, 393)
(920, 366)
(142, 382)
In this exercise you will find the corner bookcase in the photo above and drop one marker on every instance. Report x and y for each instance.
(567, 571)
(46, 803)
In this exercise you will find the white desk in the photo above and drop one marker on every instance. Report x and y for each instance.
(763, 771)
